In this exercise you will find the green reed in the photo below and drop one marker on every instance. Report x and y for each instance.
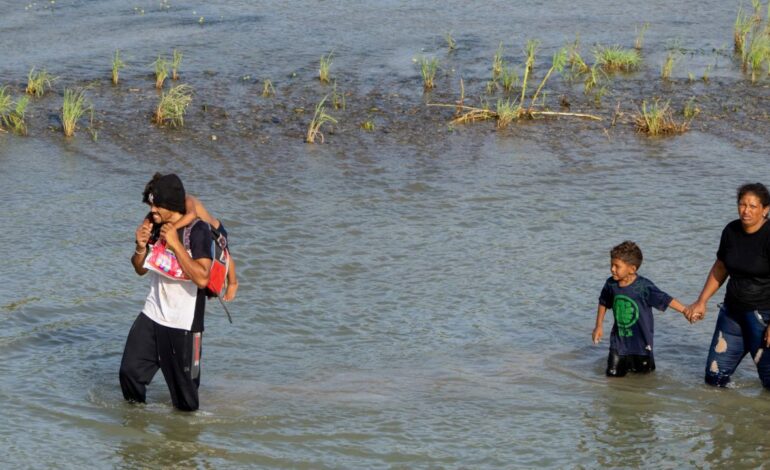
(73, 108)
(39, 82)
(367, 125)
(529, 50)
(507, 111)
(324, 66)
(668, 65)
(117, 66)
(690, 109)
(176, 61)
(451, 44)
(757, 54)
(656, 119)
(267, 88)
(172, 106)
(508, 78)
(12, 113)
(320, 117)
(640, 36)
(161, 71)
(497, 62)
(557, 64)
(338, 99)
(428, 68)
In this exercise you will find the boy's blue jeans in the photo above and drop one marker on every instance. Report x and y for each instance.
(734, 336)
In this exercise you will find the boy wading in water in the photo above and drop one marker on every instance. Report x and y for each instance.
(631, 298)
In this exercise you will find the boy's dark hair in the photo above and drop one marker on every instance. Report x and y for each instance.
(628, 252)
(757, 189)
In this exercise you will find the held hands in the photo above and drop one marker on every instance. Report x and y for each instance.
(695, 311)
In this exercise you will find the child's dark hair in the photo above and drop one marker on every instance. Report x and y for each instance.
(628, 252)
(148, 188)
(757, 189)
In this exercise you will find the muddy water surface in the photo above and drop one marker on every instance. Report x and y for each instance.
(420, 296)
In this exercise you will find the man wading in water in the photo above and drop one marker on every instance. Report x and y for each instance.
(167, 334)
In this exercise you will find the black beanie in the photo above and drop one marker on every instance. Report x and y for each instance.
(168, 192)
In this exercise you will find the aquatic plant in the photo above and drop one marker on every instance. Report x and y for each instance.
(756, 54)
(161, 71)
(367, 125)
(593, 78)
(616, 58)
(668, 65)
(640, 36)
(509, 78)
(741, 29)
(173, 106)
(690, 109)
(267, 88)
(557, 64)
(74, 106)
(176, 61)
(506, 112)
(574, 59)
(529, 50)
(320, 117)
(117, 66)
(706, 72)
(12, 114)
(338, 99)
(450, 41)
(428, 68)
(497, 62)
(323, 68)
(39, 82)
(656, 118)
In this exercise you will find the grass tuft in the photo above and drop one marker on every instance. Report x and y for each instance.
(428, 68)
(451, 44)
(73, 108)
(656, 119)
(509, 78)
(268, 89)
(176, 61)
(616, 58)
(324, 66)
(497, 62)
(319, 119)
(161, 71)
(39, 82)
(668, 65)
(12, 114)
(338, 99)
(173, 105)
(691, 109)
(640, 36)
(117, 66)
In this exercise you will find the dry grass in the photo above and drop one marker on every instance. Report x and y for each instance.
(39, 82)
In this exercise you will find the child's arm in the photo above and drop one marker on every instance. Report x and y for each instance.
(598, 329)
(232, 283)
(190, 213)
(681, 308)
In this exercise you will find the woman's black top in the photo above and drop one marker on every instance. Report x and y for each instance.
(747, 258)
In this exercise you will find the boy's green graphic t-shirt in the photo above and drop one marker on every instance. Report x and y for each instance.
(632, 307)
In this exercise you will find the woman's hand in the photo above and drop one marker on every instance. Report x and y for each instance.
(697, 311)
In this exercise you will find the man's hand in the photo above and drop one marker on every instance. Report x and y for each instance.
(168, 233)
(143, 234)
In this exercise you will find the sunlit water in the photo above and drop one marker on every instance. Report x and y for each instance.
(414, 299)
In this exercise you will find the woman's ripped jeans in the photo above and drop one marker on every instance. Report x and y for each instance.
(734, 336)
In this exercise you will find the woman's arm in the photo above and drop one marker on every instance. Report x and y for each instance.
(714, 281)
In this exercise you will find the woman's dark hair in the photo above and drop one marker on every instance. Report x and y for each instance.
(757, 189)
(148, 188)
(628, 252)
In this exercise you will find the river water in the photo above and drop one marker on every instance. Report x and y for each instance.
(420, 296)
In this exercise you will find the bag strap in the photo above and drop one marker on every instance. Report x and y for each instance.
(186, 234)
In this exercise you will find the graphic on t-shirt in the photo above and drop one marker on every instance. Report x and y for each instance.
(626, 314)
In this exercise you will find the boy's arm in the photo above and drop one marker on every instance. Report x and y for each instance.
(190, 213)
(681, 308)
(598, 329)
(232, 283)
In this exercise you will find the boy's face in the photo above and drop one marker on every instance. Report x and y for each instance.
(621, 271)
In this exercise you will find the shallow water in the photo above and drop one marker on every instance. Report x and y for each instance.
(416, 297)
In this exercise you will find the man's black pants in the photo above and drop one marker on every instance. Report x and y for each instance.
(175, 352)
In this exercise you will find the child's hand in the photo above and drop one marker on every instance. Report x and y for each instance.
(232, 288)
(597, 334)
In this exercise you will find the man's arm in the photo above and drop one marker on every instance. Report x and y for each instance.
(196, 269)
(140, 252)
